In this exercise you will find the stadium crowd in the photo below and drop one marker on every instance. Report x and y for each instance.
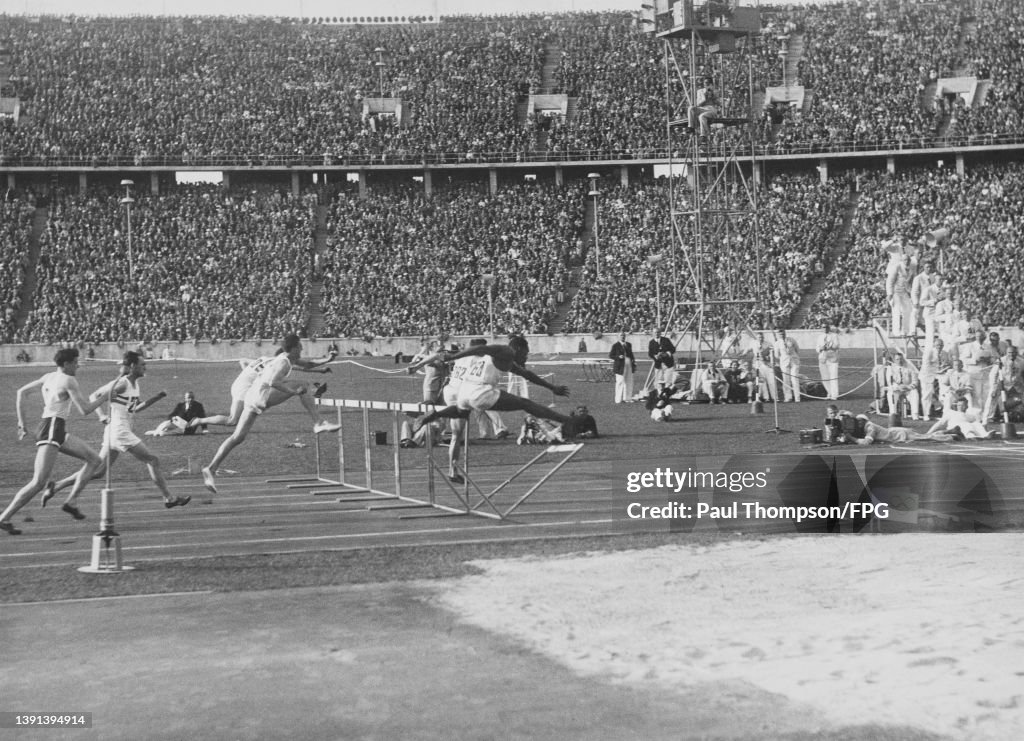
(255, 91)
(982, 211)
(211, 263)
(204, 264)
(428, 259)
(797, 218)
(16, 216)
(264, 91)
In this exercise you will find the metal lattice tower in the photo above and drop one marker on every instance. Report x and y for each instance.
(715, 253)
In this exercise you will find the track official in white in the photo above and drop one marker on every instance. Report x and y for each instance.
(788, 354)
(827, 348)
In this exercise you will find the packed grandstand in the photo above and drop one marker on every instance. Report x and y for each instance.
(288, 109)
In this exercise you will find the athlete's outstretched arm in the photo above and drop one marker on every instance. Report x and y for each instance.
(534, 378)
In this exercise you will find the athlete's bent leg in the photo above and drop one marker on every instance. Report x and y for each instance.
(95, 465)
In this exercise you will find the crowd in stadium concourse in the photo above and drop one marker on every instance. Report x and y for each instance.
(250, 91)
(258, 91)
(997, 54)
(428, 259)
(983, 212)
(797, 218)
(207, 263)
(865, 68)
(204, 264)
(15, 231)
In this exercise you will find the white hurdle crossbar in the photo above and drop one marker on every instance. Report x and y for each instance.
(465, 497)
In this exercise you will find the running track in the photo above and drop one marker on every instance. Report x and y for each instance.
(256, 515)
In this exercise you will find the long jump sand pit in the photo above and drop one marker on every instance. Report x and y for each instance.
(919, 631)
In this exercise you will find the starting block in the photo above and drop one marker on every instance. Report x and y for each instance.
(469, 498)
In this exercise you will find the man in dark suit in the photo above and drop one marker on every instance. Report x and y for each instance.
(177, 421)
(623, 365)
(663, 353)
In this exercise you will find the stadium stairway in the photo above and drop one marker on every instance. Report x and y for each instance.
(808, 100)
(557, 324)
(552, 61)
(794, 53)
(28, 287)
(522, 110)
(839, 245)
(316, 283)
(927, 100)
(981, 93)
(548, 84)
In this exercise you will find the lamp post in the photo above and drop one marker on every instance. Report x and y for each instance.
(380, 69)
(127, 202)
(594, 193)
(655, 262)
(488, 279)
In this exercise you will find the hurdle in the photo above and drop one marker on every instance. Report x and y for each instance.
(471, 499)
(488, 498)
(320, 477)
(397, 409)
(595, 370)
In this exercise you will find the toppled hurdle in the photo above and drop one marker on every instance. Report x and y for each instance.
(470, 498)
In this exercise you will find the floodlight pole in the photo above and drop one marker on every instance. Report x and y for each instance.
(655, 262)
(127, 202)
(594, 192)
(488, 279)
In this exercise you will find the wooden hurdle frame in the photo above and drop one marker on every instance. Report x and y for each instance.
(484, 504)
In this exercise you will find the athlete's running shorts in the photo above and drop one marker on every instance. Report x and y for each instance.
(478, 396)
(121, 438)
(51, 431)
